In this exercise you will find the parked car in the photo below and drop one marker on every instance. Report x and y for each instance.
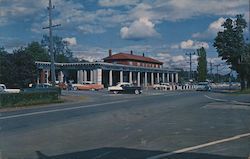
(162, 86)
(87, 86)
(203, 86)
(125, 88)
(3, 89)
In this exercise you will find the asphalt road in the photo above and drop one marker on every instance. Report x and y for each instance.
(170, 125)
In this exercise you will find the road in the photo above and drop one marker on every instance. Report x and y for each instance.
(155, 125)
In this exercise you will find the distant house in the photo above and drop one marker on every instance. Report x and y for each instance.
(132, 60)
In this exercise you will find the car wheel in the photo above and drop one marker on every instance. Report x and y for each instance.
(137, 91)
(115, 92)
(75, 88)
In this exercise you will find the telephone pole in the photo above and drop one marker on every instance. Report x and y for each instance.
(51, 50)
(217, 69)
(190, 63)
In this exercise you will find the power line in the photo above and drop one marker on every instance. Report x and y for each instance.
(190, 62)
(52, 65)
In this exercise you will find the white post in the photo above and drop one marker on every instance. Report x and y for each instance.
(81, 76)
(138, 79)
(172, 77)
(176, 78)
(158, 78)
(78, 76)
(61, 75)
(167, 77)
(146, 79)
(110, 78)
(91, 76)
(152, 78)
(99, 76)
(163, 77)
(94, 76)
(84, 75)
(130, 77)
(121, 76)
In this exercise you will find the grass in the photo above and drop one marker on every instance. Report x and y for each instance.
(245, 91)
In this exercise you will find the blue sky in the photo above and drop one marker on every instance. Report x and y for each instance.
(162, 29)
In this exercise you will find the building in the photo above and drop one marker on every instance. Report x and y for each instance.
(121, 67)
(132, 60)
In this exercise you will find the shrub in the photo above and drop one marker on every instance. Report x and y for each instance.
(27, 98)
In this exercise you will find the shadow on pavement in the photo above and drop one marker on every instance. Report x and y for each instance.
(126, 153)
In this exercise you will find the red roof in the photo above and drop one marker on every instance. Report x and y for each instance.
(126, 56)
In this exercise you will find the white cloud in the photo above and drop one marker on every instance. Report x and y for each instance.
(115, 3)
(190, 44)
(212, 30)
(139, 29)
(71, 41)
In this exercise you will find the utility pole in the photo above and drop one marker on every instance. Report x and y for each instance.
(211, 70)
(190, 64)
(217, 69)
(51, 50)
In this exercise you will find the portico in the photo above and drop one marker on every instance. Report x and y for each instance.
(108, 74)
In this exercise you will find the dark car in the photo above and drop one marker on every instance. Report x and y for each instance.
(131, 89)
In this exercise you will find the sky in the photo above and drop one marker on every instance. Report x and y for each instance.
(162, 29)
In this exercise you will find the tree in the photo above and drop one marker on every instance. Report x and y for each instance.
(37, 52)
(231, 46)
(61, 49)
(202, 64)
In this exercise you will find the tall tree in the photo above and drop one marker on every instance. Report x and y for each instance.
(202, 64)
(61, 49)
(37, 52)
(231, 46)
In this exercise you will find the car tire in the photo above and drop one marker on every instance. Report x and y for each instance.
(137, 91)
(115, 92)
(75, 88)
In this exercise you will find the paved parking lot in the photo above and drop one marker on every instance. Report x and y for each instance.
(154, 125)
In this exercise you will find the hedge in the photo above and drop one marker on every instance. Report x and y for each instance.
(27, 98)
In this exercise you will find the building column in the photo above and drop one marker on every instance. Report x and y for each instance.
(163, 77)
(146, 80)
(130, 77)
(78, 76)
(110, 78)
(81, 76)
(167, 77)
(121, 76)
(172, 77)
(91, 76)
(84, 75)
(158, 78)
(138, 79)
(94, 76)
(60, 76)
(152, 78)
(99, 76)
(176, 78)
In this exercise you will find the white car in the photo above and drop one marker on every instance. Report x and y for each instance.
(162, 86)
(4, 89)
(118, 87)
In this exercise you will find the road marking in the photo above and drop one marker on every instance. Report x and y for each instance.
(217, 99)
(200, 146)
(59, 110)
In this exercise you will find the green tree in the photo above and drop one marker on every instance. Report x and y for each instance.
(60, 47)
(37, 52)
(202, 64)
(231, 46)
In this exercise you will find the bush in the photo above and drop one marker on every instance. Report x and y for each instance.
(27, 98)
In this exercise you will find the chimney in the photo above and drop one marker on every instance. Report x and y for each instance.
(110, 52)
(131, 52)
(143, 55)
